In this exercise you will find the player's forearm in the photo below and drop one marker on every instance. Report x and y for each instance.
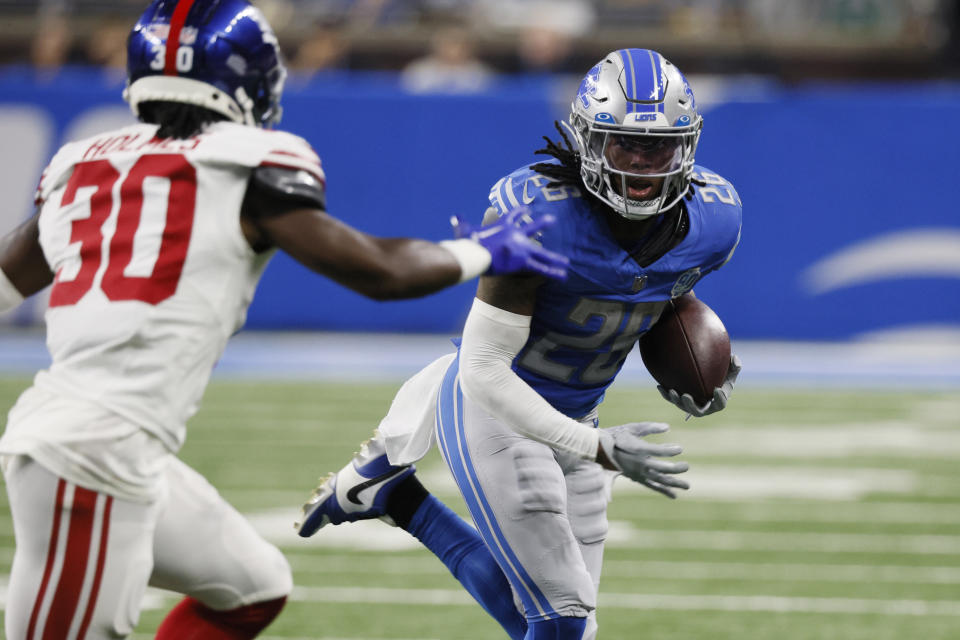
(379, 268)
(492, 337)
(408, 263)
(23, 267)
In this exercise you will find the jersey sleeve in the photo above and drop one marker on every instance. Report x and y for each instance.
(527, 188)
(723, 214)
(240, 145)
(288, 151)
(56, 172)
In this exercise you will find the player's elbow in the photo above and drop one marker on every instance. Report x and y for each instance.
(481, 379)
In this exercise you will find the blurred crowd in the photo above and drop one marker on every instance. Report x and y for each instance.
(461, 45)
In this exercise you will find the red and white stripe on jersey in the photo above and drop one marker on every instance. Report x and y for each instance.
(38, 195)
(303, 159)
(68, 591)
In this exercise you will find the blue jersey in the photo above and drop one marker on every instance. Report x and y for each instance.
(583, 328)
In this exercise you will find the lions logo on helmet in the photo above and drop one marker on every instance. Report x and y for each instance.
(217, 54)
(636, 124)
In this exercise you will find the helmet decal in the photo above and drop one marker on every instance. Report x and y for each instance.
(588, 87)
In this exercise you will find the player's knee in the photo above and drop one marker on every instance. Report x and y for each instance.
(266, 575)
(565, 581)
(274, 579)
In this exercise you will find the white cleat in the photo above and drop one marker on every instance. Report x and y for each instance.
(359, 491)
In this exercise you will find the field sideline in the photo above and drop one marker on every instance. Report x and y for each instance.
(815, 514)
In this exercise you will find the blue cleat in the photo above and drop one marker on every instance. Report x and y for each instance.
(359, 491)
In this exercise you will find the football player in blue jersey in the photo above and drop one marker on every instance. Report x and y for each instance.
(515, 409)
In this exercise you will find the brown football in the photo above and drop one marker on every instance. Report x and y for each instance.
(688, 349)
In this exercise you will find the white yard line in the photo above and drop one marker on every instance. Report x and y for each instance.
(608, 600)
(664, 569)
(626, 536)
(777, 604)
(276, 525)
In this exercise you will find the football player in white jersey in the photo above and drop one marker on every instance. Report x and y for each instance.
(153, 238)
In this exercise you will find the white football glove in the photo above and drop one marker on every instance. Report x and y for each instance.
(720, 395)
(635, 458)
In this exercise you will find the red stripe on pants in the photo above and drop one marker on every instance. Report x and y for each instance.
(74, 569)
(51, 556)
(101, 560)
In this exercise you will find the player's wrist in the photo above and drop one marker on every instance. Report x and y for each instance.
(473, 258)
(603, 459)
(9, 296)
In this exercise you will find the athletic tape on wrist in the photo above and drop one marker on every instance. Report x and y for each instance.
(9, 296)
(474, 260)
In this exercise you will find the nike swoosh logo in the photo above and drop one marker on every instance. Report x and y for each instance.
(526, 199)
(356, 489)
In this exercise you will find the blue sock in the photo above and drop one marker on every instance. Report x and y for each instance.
(557, 629)
(461, 549)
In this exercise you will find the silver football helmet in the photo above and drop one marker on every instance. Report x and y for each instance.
(636, 124)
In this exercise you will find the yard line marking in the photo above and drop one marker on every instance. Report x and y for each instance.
(382, 595)
(664, 569)
(795, 511)
(775, 604)
(784, 572)
(276, 526)
(779, 604)
(752, 482)
(625, 535)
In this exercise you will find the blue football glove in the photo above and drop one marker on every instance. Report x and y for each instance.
(511, 245)
(720, 395)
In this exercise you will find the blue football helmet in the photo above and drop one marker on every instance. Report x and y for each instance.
(226, 59)
(636, 124)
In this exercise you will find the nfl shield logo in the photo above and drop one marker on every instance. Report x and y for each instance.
(639, 282)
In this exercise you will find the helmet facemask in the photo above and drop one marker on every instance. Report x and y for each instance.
(620, 163)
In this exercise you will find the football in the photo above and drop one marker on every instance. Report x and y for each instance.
(688, 349)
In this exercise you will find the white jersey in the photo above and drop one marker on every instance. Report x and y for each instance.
(152, 276)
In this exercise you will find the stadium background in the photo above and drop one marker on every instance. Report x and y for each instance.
(835, 119)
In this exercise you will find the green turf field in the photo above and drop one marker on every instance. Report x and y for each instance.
(813, 516)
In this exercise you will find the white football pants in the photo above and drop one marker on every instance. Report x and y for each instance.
(83, 559)
(542, 514)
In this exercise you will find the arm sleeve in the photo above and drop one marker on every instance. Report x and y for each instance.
(284, 189)
(492, 337)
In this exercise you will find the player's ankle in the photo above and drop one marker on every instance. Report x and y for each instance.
(405, 499)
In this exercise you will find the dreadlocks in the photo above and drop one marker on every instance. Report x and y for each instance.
(669, 228)
(568, 171)
(176, 119)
